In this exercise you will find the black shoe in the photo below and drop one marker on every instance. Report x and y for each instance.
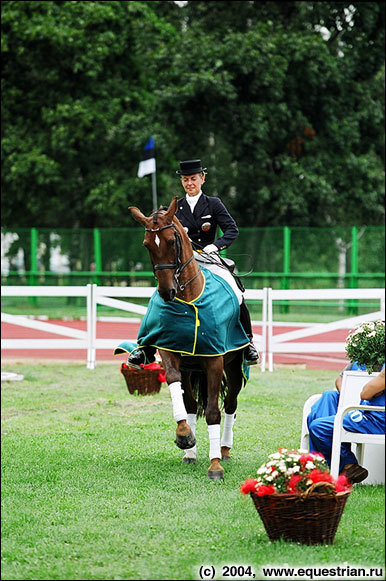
(251, 356)
(140, 356)
(354, 473)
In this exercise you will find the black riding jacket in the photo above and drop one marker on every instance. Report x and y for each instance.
(209, 213)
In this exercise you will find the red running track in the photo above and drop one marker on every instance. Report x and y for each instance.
(128, 331)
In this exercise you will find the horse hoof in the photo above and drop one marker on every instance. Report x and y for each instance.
(185, 442)
(226, 458)
(216, 474)
(187, 460)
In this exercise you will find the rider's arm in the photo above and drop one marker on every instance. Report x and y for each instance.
(226, 223)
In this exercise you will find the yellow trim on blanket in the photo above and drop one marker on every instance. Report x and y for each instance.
(187, 353)
(196, 299)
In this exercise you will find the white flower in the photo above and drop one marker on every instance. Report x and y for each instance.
(293, 470)
(275, 456)
(310, 465)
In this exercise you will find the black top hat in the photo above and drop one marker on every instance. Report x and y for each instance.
(188, 168)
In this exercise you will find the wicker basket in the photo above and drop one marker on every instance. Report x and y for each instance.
(141, 381)
(310, 518)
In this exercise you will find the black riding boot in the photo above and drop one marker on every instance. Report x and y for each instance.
(145, 355)
(251, 356)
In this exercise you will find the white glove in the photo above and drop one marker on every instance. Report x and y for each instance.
(210, 248)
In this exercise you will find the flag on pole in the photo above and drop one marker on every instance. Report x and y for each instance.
(147, 165)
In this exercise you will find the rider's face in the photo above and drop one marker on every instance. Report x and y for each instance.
(192, 184)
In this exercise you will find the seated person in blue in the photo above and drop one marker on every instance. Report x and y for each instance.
(321, 423)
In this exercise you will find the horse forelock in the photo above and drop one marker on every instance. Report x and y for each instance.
(156, 214)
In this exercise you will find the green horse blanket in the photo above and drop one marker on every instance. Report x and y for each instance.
(208, 325)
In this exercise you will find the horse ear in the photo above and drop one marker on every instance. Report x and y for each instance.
(137, 215)
(172, 209)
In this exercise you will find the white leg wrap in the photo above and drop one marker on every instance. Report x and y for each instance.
(179, 411)
(214, 441)
(192, 452)
(227, 435)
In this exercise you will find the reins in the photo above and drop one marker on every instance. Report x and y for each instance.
(178, 267)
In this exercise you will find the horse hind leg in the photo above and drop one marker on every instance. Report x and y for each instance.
(234, 384)
(214, 372)
(227, 436)
(190, 456)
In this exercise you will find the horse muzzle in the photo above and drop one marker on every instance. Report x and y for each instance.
(167, 294)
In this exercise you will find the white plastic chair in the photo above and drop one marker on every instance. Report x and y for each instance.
(368, 452)
(305, 437)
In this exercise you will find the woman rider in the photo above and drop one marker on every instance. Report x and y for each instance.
(200, 215)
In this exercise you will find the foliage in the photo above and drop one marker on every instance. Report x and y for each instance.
(284, 101)
(366, 345)
(293, 471)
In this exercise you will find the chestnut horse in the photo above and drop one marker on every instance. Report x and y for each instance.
(179, 276)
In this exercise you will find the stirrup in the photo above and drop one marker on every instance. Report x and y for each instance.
(253, 358)
(139, 357)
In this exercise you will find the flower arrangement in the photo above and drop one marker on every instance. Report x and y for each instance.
(294, 472)
(366, 345)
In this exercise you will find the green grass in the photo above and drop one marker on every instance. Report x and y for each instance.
(93, 486)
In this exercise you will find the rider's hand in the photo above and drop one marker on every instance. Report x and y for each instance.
(210, 248)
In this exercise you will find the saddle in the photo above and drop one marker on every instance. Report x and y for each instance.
(230, 265)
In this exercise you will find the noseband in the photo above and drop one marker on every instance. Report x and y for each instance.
(178, 267)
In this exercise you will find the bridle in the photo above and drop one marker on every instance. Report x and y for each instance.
(178, 267)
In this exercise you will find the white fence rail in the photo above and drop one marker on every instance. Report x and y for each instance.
(95, 296)
(79, 339)
(284, 342)
(267, 343)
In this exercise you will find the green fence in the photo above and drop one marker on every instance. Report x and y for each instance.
(281, 258)
(350, 257)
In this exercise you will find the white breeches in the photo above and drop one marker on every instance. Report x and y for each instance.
(219, 270)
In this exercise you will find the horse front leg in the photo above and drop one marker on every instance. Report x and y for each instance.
(214, 372)
(184, 436)
(190, 456)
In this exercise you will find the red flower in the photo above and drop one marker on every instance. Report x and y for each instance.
(263, 490)
(248, 486)
(304, 458)
(318, 476)
(342, 484)
(294, 481)
(153, 365)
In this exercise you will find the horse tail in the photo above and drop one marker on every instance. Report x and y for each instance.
(200, 391)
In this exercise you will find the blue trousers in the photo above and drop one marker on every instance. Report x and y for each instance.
(320, 423)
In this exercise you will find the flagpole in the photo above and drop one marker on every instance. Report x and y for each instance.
(154, 187)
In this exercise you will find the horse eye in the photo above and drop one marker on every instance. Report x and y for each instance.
(171, 242)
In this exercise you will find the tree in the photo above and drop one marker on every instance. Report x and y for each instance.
(284, 101)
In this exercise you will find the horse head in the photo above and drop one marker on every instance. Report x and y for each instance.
(168, 247)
